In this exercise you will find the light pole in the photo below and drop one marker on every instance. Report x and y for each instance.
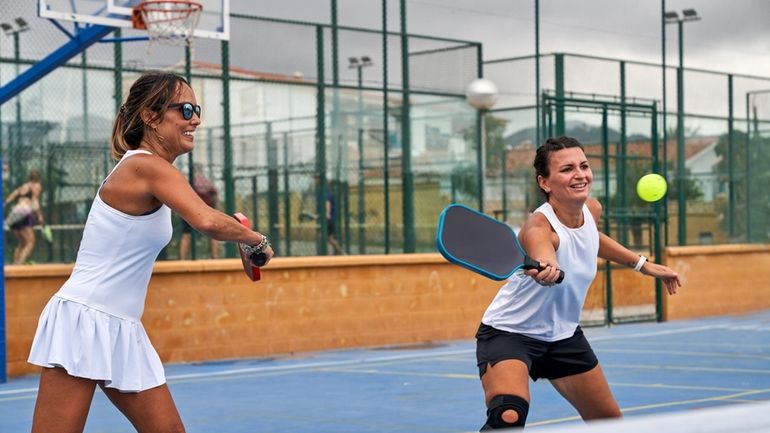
(359, 64)
(19, 25)
(481, 94)
(672, 17)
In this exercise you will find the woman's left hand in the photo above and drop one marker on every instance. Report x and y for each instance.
(669, 277)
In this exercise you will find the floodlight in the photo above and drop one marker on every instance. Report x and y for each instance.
(671, 16)
(22, 24)
(7, 28)
(690, 15)
(359, 62)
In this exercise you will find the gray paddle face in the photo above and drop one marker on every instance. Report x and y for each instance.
(478, 242)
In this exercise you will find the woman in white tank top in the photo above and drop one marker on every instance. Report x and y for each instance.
(531, 327)
(90, 332)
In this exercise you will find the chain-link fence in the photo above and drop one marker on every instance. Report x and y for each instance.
(284, 130)
(297, 114)
(714, 171)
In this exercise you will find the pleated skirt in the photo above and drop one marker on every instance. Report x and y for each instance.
(96, 345)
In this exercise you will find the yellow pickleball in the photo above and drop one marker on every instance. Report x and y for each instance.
(651, 187)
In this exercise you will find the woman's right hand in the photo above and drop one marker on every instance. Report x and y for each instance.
(268, 254)
(547, 275)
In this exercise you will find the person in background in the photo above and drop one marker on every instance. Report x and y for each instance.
(24, 215)
(330, 206)
(208, 192)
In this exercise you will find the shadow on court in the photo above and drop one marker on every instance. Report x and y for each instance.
(652, 368)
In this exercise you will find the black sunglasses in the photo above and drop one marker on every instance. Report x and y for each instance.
(187, 109)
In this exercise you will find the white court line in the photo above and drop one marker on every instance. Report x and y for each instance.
(727, 397)
(18, 391)
(688, 353)
(690, 368)
(322, 364)
(327, 364)
(656, 333)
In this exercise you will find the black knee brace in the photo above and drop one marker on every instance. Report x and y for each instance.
(501, 403)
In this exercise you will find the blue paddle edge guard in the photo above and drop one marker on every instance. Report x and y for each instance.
(491, 275)
(527, 263)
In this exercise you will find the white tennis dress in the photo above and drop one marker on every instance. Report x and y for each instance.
(91, 327)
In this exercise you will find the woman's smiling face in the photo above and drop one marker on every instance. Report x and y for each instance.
(177, 133)
(570, 176)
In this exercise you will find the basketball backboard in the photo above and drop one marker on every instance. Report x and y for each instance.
(214, 21)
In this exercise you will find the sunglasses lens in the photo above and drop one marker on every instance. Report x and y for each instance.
(187, 111)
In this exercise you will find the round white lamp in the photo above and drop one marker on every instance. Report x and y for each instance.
(481, 94)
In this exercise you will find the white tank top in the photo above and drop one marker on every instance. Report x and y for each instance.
(550, 313)
(116, 257)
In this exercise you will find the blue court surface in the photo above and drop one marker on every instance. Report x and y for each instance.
(651, 367)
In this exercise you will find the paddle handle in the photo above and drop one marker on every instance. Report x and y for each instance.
(530, 263)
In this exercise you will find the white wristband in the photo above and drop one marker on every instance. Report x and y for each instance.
(640, 263)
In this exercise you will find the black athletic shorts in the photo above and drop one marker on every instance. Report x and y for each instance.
(549, 360)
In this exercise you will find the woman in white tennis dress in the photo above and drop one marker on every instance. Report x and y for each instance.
(90, 332)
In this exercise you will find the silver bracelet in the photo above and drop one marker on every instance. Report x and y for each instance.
(258, 248)
(640, 263)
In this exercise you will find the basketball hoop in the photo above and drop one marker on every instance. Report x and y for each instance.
(168, 22)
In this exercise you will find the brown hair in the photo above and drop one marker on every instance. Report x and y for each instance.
(33, 176)
(543, 153)
(153, 91)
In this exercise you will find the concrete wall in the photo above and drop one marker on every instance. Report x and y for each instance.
(207, 309)
(724, 279)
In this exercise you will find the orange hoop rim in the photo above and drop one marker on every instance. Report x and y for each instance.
(161, 22)
(151, 6)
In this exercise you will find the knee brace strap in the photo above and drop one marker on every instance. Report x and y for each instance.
(501, 403)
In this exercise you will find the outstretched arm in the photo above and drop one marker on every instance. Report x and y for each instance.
(612, 250)
(151, 176)
(12, 196)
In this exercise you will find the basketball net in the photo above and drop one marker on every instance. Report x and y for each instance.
(168, 22)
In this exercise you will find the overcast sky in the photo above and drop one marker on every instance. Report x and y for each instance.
(732, 36)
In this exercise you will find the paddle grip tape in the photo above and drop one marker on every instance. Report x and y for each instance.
(530, 263)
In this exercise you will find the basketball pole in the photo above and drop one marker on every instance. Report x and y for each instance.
(75, 46)
(3, 345)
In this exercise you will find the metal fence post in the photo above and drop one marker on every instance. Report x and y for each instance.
(406, 139)
(227, 142)
(385, 137)
(320, 167)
